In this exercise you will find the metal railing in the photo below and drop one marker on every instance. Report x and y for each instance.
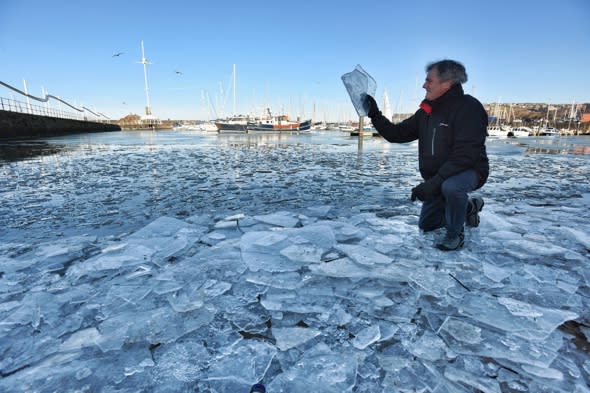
(7, 104)
(82, 113)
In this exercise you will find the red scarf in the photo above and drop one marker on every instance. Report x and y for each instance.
(426, 107)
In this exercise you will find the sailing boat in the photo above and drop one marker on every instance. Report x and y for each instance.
(233, 124)
(387, 106)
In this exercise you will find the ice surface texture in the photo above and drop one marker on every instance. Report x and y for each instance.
(294, 263)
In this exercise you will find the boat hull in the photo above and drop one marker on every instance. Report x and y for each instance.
(230, 127)
(279, 127)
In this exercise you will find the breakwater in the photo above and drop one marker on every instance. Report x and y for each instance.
(25, 125)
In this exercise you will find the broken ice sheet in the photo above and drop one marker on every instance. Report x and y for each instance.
(246, 362)
(303, 253)
(283, 219)
(363, 255)
(183, 361)
(287, 280)
(80, 339)
(285, 250)
(319, 366)
(466, 338)
(342, 267)
(486, 385)
(290, 337)
(366, 337)
(495, 273)
(525, 320)
(432, 281)
(260, 251)
(428, 347)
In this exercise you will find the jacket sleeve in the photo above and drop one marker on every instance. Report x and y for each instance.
(405, 131)
(470, 130)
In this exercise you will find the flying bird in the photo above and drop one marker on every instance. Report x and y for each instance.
(118, 54)
(178, 72)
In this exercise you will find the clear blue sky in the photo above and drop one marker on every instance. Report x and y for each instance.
(289, 54)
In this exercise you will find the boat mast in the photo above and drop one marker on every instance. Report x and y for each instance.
(234, 89)
(148, 108)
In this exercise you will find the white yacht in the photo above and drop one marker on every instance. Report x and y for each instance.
(498, 131)
(549, 131)
(521, 131)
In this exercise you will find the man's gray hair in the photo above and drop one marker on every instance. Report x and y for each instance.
(449, 70)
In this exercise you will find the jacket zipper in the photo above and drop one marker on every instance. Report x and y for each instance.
(433, 138)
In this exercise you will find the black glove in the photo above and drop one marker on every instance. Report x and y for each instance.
(371, 106)
(428, 190)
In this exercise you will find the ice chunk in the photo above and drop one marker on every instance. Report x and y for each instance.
(366, 337)
(486, 385)
(542, 372)
(319, 366)
(429, 347)
(261, 251)
(183, 361)
(155, 243)
(363, 255)
(495, 273)
(342, 267)
(581, 237)
(290, 337)
(280, 219)
(246, 362)
(287, 280)
(529, 249)
(520, 318)
(358, 84)
(80, 339)
(303, 253)
(469, 339)
(285, 250)
(318, 211)
(462, 331)
(432, 281)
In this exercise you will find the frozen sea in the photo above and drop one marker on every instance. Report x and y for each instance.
(189, 262)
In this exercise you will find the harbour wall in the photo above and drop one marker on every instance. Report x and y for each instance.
(24, 125)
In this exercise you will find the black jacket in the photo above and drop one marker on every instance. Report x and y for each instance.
(451, 133)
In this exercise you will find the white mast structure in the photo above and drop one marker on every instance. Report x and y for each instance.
(148, 108)
(234, 89)
(386, 106)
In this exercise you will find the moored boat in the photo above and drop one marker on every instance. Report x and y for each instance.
(548, 131)
(280, 123)
(498, 131)
(519, 132)
(232, 125)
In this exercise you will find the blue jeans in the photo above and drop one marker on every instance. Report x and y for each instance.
(449, 209)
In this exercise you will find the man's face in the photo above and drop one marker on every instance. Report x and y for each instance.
(434, 86)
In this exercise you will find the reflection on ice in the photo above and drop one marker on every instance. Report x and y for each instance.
(338, 296)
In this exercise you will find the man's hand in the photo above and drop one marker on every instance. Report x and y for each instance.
(428, 190)
(371, 106)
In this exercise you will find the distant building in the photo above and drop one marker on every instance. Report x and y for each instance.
(585, 118)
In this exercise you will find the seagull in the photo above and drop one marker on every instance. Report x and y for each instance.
(118, 54)
(178, 72)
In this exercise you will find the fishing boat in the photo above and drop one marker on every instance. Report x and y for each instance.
(235, 124)
(280, 123)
